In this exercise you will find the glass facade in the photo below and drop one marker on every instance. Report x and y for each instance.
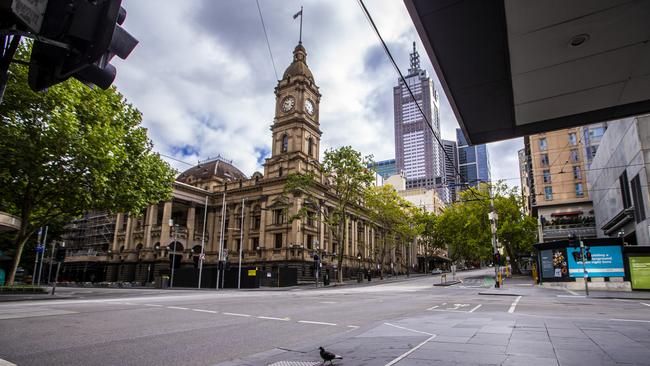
(385, 168)
(473, 161)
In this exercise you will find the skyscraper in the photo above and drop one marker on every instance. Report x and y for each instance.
(473, 162)
(417, 153)
(451, 167)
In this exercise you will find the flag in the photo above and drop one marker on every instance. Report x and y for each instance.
(298, 13)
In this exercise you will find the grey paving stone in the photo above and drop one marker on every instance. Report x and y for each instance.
(517, 360)
(568, 357)
(465, 347)
(579, 344)
(457, 332)
(525, 335)
(638, 354)
(496, 329)
(493, 339)
(530, 348)
(451, 339)
(566, 333)
(462, 358)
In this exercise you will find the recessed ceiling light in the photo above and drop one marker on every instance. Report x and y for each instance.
(579, 40)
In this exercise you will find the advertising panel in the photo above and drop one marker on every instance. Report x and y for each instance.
(640, 272)
(554, 264)
(600, 261)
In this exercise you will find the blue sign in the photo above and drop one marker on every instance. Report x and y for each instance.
(601, 261)
(40, 249)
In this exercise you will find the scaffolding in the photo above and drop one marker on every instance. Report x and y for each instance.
(92, 232)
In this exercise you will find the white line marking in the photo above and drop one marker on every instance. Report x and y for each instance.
(236, 314)
(433, 307)
(409, 329)
(571, 292)
(128, 303)
(311, 322)
(402, 356)
(6, 363)
(177, 307)
(630, 320)
(475, 307)
(327, 302)
(514, 305)
(205, 311)
(645, 304)
(154, 305)
(272, 318)
(353, 326)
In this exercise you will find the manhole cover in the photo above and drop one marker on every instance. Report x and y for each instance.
(295, 363)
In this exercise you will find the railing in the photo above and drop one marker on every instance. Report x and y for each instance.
(563, 231)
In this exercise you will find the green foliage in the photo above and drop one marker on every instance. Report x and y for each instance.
(465, 226)
(72, 149)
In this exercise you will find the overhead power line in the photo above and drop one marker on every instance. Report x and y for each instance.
(266, 36)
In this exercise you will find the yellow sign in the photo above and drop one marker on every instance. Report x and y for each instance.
(252, 272)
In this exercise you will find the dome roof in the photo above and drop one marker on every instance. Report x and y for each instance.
(299, 65)
(217, 168)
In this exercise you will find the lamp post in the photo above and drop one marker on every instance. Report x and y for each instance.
(359, 269)
(172, 249)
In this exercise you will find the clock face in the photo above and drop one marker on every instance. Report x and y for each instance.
(288, 103)
(309, 107)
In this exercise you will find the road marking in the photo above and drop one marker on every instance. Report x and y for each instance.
(630, 320)
(237, 314)
(571, 292)
(6, 363)
(645, 304)
(154, 305)
(402, 356)
(433, 307)
(327, 302)
(311, 322)
(205, 311)
(409, 329)
(177, 307)
(474, 308)
(514, 305)
(128, 303)
(353, 326)
(272, 318)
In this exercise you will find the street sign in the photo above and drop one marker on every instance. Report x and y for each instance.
(252, 273)
(30, 12)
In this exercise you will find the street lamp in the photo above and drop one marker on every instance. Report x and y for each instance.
(359, 269)
(172, 249)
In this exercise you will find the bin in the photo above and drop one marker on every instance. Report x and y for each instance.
(326, 279)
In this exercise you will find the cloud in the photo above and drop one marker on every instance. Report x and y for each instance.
(204, 80)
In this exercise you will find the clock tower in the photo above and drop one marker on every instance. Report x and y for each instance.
(296, 132)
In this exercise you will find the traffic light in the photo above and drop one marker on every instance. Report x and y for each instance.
(60, 255)
(497, 258)
(78, 38)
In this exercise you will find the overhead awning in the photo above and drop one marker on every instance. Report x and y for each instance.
(512, 68)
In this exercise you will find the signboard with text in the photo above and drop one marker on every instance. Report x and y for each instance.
(640, 272)
(599, 261)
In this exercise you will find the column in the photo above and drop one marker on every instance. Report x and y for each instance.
(118, 226)
(248, 211)
(189, 224)
(210, 230)
(128, 233)
(263, 225)
(230, 214)
(296, 232)
(150, 221)
(165, 231)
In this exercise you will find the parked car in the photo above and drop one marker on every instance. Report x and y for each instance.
(436, 271)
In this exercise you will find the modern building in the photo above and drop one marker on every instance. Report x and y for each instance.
(452, 180)
(619, 178)
(473, 162)
(385, 168)
(417, 151)
(524, 176)
(216, 211)
(555, 166)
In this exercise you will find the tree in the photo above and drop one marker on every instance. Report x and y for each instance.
(72, 149)
(349, 177)
(430, 238)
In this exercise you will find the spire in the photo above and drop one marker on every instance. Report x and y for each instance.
(299, 64)
(415, 61)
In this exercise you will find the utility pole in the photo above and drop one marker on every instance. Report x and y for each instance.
(492, 215)
(223, 221)
(584, 266)
(241, 241)
(40, 267)
(173, 250)
(49, 271)
(60, 257)
(38, 243)
(202, 255)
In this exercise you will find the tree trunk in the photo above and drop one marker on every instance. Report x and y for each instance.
(513, 260)
(21, 239)
(342, 244)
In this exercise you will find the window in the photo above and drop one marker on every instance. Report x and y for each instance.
(573, 140)
(593, 149)
(637, 194)
(285, 143)
(257, 220)
(543, 145)
(238, 245)
(577, 174)
(579, 191)
(279, 171)
(625, 190)
(225, 245)
(310, 146)
(278, 241)
(255, 243)
(544, 160)
(548, 193)
(597, 132)
(547, 176)
(310, 241)
(575, 156)
(278, 217)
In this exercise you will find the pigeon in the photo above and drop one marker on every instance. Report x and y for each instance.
(328, 356)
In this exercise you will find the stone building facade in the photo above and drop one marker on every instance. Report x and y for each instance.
(209, 199)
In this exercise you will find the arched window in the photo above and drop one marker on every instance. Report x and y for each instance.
(310, 146)
(285, 143)
(280, 172)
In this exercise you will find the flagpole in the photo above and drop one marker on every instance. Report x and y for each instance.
(300, 40)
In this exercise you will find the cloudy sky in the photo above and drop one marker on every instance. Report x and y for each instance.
(203, 78)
